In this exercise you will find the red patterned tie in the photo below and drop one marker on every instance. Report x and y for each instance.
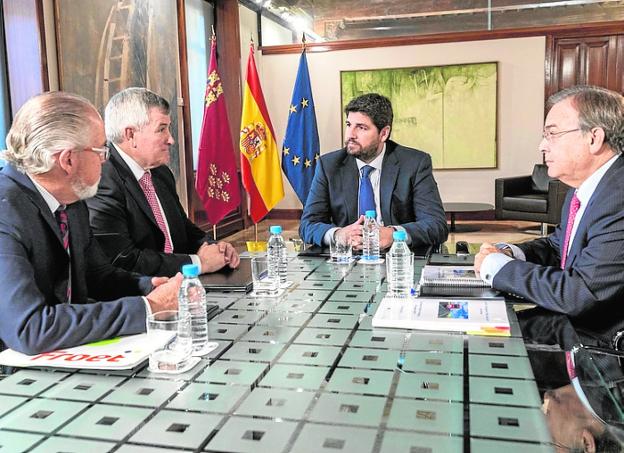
(61, 218)
(150, 193)
(575, 204)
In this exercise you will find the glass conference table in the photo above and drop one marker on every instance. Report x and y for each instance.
(303, 373)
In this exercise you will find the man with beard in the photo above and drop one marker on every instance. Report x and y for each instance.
(52, 268)
(136, 215)
(373, 173)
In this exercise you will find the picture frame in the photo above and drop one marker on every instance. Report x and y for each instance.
(448, 111)
(136, 42)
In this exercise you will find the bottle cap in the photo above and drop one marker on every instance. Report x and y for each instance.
(190, 270)
(399, 235)
(371, 213)
(275, 229)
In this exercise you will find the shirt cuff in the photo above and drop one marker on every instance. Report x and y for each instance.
(148, 308)
(328, 239)
(493, 263)
(196, 261)
(515, 250)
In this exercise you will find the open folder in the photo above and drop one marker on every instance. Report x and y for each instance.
(228, 279)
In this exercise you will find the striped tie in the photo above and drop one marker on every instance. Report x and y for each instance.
(150, 193)
(61, 218)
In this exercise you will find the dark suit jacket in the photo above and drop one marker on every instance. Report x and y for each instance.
(34, 270)
(591, 288)
(123, 222)
(408, 196)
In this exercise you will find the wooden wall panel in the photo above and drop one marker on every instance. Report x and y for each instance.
(594, 60)
(568, 62)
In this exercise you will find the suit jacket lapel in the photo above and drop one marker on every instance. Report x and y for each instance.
(348, 173)
(132, 184)
(36, 199)
(389, 174)
(580, 237)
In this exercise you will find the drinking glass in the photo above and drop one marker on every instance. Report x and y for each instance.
(263, 285)
(171, 330)
(340, 250)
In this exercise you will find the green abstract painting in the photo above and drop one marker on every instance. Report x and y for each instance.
(446, 111)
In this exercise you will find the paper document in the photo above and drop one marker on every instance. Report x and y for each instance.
(450, 276)
(114, 354)
(474, 316)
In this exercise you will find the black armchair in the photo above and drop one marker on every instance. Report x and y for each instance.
(536, 198)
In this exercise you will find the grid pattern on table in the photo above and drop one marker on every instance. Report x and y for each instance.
(303, 373)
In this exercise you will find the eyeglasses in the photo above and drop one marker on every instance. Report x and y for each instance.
(550, 135)
(104, 152)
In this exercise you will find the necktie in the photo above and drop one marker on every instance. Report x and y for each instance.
(367, 198)
(63, 223)
(575, 204)
(150, 194)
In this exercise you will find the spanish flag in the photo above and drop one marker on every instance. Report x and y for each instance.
(260, 165)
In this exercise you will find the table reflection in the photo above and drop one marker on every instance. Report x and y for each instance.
(587, 415)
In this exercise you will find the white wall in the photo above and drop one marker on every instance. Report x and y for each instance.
(248, 22)
(520, 101)
(274, 34)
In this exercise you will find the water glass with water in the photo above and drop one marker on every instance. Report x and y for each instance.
(171, 330)
(263, 284)
(341, 250)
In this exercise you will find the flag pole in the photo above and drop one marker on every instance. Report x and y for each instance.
(214, 232)
(256, 232)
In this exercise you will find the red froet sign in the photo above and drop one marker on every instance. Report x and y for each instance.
(113, 354)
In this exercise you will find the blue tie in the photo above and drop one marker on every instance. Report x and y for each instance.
(367, 198)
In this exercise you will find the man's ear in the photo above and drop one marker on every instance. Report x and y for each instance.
(128, 135)
(596, 139)
(66, 160)
(589, 443)
(384, 134)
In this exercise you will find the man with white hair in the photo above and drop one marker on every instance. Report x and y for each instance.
(136, 215)
(53, 270)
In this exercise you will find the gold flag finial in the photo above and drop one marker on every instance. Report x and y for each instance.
(213, 37)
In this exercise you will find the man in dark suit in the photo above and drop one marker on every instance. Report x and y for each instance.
(136, 214)
(52, 269)
(373, 173)
(575, 274)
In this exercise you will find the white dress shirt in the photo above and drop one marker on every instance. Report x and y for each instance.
(375, 179)
(138, 172)
(494, 262)
(53, 204)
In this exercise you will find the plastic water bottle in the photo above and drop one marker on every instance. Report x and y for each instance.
(400, 271)
(276, 253)
(192, 299)
(370, 237)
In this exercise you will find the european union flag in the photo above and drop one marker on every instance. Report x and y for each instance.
(301, 142)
